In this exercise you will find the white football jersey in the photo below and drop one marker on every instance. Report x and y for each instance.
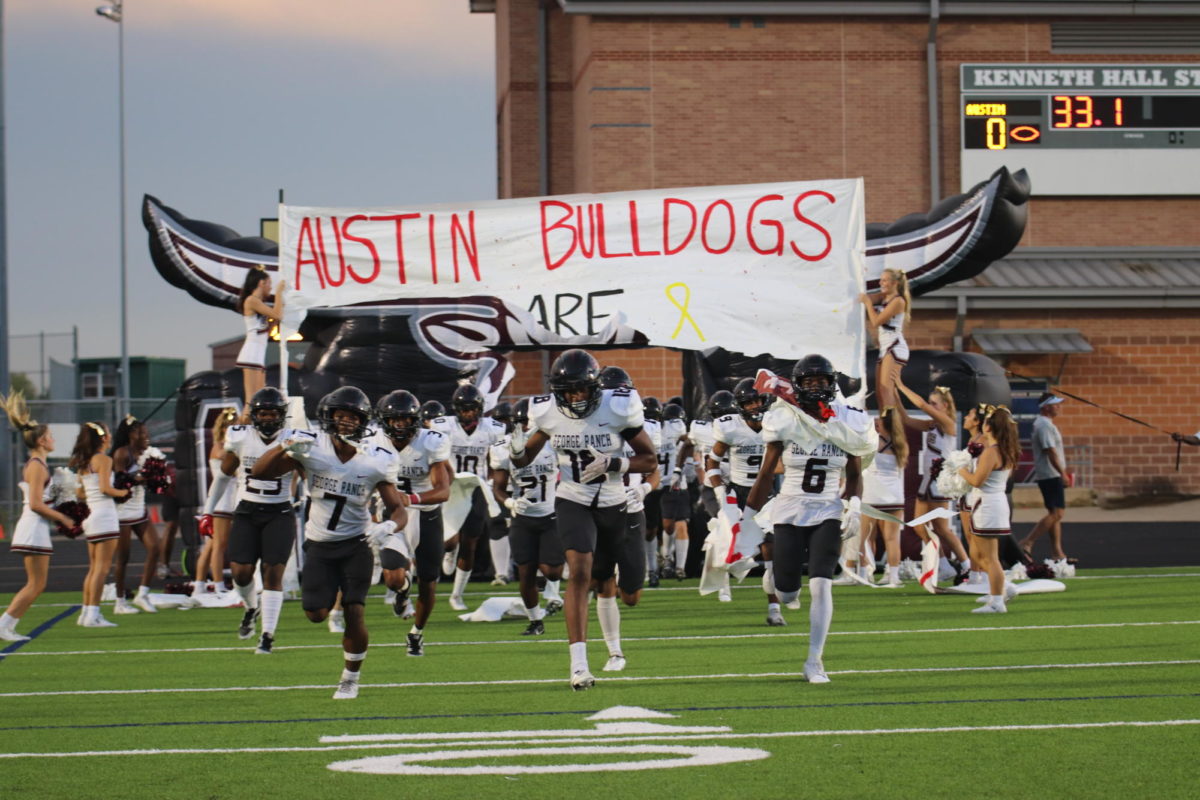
(339, 491)
(534, 482)
(469, 451)
(673, 430)
(633, 479)
(813, 467)
(701, 435)
(744, 448)
(246, 443)
(577, 440)
(415, 462)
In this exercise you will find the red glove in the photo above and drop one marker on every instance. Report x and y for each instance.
(1069, 479)
(204, 523)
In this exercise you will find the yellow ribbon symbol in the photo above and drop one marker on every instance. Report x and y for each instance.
(684, 314)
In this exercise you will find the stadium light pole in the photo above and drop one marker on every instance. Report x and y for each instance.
(115, 13)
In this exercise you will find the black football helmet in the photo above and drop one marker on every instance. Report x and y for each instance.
(674, 411)
(399, 412)
(503, 413)
(721, 403)
(467, 398)
(431, 410)
(652, 409)
(347, 398)
(744, 394)
(520, 415)
(575, 371)
(268, 398)
(615, 378)
(814, 366)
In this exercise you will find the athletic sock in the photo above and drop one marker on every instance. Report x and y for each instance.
(768, 578)
(143, 590)
(668, 546)
(272, 602)
(535, 613)
(773, 608)
(416, 630)
(578, 657)
(248, 595)
(8, 621)
(651, 555)
(894, 574)
(820, 614)
(501, 550)
(610, 623)
(864, 572)
(681, 550)
(461, 576)
(551, 591)
(965, 566)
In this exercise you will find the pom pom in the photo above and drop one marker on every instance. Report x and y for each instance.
(77, 512)
(123, 480)
(62, 487)
(975, 449)
(949, 482)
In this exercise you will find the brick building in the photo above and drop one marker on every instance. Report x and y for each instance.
(1102, 294)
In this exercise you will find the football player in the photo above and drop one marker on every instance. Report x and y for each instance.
(588, 427)
(263, 523)
(471, 437)
(423, 474)
(700, 439)
(528, 494)
(818, 443)
(676, 503)
(738, 438)
(652, 413)
(341, 472)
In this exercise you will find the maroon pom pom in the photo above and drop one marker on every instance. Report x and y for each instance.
(156, 475)
(975, 449)
(935, 467)
(78, 512)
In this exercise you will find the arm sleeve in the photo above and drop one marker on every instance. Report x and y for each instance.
(216, 490)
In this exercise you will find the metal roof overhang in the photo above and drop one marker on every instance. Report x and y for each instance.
(948, 8)
(998, 341)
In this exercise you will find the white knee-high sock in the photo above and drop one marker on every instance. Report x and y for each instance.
(248, 594)
(610, 623)
(681, 550)
(551, 591)
(820, 614)
(461, 576)
(501, 550)
(272, 602)
(768, 578)
(651, 555)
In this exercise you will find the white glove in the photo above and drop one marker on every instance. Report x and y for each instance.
(749, 527)
(636, 494)
(379, 531)
(676, 478)
(601, 466)
(516, 441)
(852, 521)
(719, 491)
(517, 505)
(296, 443)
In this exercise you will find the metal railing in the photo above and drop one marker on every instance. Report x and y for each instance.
(106, 410)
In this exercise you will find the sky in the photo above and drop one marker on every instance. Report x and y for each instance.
(347, 103)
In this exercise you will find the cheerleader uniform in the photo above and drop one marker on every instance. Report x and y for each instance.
(253, 354)
(989, 505)
(32, 534)
(228, 499)
(935, 445)
(891, 337)
(102, 523)
(133, 510)
(883, 480)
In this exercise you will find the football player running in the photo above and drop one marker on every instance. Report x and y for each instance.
(738, 438)
(588, 427)
(819, 443)
(528, 493)
(471, 437)
(675, 501)
(263, 524)
(341, 472)
(423, 475)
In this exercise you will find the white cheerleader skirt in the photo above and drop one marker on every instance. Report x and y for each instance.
(133, 510)
(884, 491)
(227, 502)
(32, 535)
(928, 491)
(989, 515)
(893, 343)
(253, 354)
(102, 522)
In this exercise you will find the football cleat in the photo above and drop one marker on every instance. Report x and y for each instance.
(457, 603)
(814, 672)
(615, 663)
(536, 628)
(775, 619)
(246, 629)
(265, 643)
(416, 644)
(400, 603)
(346, 690)
(582, 679)
(499, 580)
(652, 581)
(143, 602)
(553, 606)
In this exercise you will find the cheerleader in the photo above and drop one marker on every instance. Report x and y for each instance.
(989, 504)
(101, 528)
(212, 554)
(32, 536)
(257, 315)
(129, 442)
(973, 425)
(887, 311)
(939, 434)
(883, 488)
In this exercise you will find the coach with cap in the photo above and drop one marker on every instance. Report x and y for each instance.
(1050, 472)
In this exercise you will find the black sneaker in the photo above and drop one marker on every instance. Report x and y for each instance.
(416, 644)
(536, 628)
(400, 601)
(265, 643)
(246, 629)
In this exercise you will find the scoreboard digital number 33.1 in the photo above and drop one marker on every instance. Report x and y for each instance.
(1081, 129)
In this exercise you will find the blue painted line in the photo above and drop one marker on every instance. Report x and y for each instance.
(38, 631)
(578, 712)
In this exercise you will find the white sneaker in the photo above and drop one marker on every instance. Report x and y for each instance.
(109, 593)
(814, 672)
(1010, 591)
(994, 607)
(615, 664)
(122, 606)
(844, 580)
(10, 635)
(189, 601)
(983, 598)
(775, 619)
(346, 690)
(724, 595)
(581, 680)
(336, 624)
(888, 582)
(457, 603)
(99, 621)
(144, 602)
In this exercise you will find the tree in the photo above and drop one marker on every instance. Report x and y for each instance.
(20, 383)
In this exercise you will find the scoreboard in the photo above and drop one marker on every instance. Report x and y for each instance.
(1080, 129)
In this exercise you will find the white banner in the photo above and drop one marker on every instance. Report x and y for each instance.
(767, 268)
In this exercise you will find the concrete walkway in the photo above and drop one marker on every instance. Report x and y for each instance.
(1184, 511)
